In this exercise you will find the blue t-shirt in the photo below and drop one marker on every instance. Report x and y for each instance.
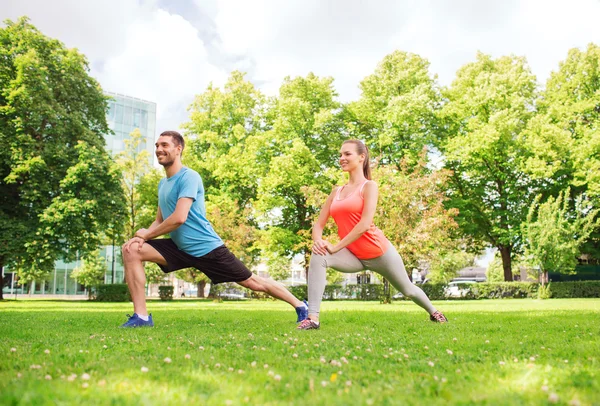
(196, 236)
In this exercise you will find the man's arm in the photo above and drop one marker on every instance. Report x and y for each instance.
(176, 219)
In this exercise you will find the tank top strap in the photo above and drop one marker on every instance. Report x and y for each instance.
(337, 192)
(360, 192)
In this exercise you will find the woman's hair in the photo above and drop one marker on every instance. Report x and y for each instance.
(361, 148)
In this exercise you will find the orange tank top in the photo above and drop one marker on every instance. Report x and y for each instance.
(347, 213)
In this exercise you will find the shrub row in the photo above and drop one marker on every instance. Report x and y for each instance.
(113, 293)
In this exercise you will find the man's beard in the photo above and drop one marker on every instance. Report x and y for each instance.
(166, 164)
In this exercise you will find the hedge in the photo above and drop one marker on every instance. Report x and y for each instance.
(166, 292)
(436, 291)
(118, 292)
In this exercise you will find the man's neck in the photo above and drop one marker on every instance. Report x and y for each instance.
(174, 168)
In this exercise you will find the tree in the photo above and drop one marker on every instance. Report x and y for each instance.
(447, 266)
(554, 234)
(412, 215)
(59, 186)
(133, 164)
(192, 275)
(396, 112)
(495, 147)
(91, 273)
(571, 100)
(153, 273)
(302, 146)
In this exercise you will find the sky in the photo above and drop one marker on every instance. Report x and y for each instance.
(168, 51)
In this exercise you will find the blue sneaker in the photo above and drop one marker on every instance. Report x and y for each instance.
(135, 321)
(302, 312)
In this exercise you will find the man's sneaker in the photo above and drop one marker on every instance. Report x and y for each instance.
(438, 317)
(302, 312)
(308, 324)
(136, 321)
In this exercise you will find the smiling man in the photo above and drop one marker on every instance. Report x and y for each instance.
(193, 244)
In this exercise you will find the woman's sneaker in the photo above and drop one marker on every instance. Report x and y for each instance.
(308, 324)
(438, 317)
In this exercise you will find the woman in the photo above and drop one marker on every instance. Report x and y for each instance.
(362, 245)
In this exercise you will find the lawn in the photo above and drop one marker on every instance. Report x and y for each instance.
(492, 352)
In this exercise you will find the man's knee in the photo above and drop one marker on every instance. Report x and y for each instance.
(132, 254)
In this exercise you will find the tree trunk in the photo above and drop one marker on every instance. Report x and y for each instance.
(505, 252)
(1, 279)
(201, 285)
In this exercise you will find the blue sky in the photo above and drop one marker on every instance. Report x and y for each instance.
(168, 51)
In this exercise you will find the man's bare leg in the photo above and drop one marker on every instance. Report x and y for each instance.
(269, 286)
(135, 276)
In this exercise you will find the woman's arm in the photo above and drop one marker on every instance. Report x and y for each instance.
(319, 245)
(370, 195)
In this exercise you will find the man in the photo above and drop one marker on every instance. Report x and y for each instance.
(193, 243)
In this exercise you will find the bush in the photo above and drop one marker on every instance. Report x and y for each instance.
(166, 292)
(118, 292)
(435, 291)
(363, 291)
(499, 290)
(575, 289)
(300, 291)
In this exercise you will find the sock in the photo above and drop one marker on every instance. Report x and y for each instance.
(302, 305)
(145, 318)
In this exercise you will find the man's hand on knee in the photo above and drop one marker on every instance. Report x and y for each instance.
(128, 245)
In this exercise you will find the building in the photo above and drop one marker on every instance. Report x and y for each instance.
(125, 114)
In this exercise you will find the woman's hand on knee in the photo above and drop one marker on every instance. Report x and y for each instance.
(320, 247)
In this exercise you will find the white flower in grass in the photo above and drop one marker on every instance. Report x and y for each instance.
(85, 385)
(574, 402)
(449, 352)
(230, 369)
(253, 364)
(444, 380)
(454, 339)
(105, 346)
(501, 362)
(266, 366)
(344, 360)
(323, 383)
(531, 358)
(71, 377)
(435, 378)
(379, 371)
(46, 351)
(431, 364)
(102, 383)
(295, 355)
(275, 338)
(487, 341)
(240, 371)
(405, 355)
(355, 357)
(217, 365)
(188, 356)
(426, 347)
(317, 345)
(368, 350)
(545, 388)
(34, 366)
(19, 374)
(458, 371)
(13, 349)
(385, 356)
(277, 377)
(48, 378)
(167, 360)
(566, 361)
(323, 360)
(553, 398)
(201, 348)
(81, 351)
(270, 373)
(85, 377)
(348, 383)
(229, 402)
(516, 360)
(144, 369)
(262, 348)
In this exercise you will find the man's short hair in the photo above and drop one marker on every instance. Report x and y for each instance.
(177, 138)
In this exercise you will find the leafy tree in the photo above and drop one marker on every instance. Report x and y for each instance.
(192, 275)
(91, 273)
(554, 234)
(396, 112)
(447, 266)
(303, 145)
(571, 100)
(154, 274)
(412, 215)
(59, 187)
(494, 146)
(134, 163)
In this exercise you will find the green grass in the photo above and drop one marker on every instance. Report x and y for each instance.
(492, 352)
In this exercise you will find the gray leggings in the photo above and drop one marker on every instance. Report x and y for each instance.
(389, 265)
